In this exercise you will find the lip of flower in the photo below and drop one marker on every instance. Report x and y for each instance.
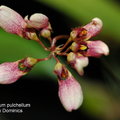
(69, 92)
(77, 61)
(10, 72)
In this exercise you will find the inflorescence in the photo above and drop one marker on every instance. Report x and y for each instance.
(77, 49)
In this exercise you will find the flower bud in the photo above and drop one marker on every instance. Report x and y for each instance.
(70, 92)
(77, 61)
(10, 72)
(97, 48)
(37, 21)
(11, 21)
(46, 33)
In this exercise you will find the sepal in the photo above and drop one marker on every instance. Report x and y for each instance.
(11, 21)
(69, 92)
(96, 48)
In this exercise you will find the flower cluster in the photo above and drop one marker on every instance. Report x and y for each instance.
(77, 48)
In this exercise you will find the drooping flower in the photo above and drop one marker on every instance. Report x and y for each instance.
(70, 92)
(13, 22)
(10, 72)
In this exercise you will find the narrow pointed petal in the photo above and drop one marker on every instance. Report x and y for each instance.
(10, 72)
(37, 21)
(78, 62)
(69, 92)
(10, 20)
(97, 48)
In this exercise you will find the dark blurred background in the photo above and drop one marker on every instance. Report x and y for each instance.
(101, 83)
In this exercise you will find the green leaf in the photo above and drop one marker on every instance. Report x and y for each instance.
(13, 47)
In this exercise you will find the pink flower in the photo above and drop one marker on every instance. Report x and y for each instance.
(13, 22)
(87, 31)
(82, 48)
(10, 72)
(70, 92)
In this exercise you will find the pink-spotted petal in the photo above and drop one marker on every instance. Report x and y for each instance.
(9, 72)
(93, 28)
(11, 21)
(97, 48)
(70, 93)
